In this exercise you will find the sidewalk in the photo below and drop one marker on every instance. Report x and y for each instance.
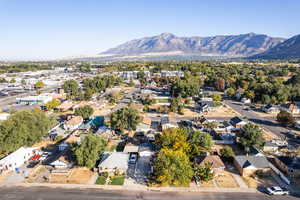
(130, 188)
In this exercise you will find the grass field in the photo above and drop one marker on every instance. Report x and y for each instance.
(117, 180)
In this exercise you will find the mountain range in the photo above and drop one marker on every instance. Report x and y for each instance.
(288, 49)
(170, 46)
(227, 45)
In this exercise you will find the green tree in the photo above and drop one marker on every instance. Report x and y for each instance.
(131, 83)
(230, 92)
(39, 85)
(85, 112)
(227, 153)
(204, 173)
(125, 118)
(216, 97)
(199, 142)
(285, 118)
(89, 151)
(114, 97)
(23, 128)
(52, 104)
(265, 99)
(88, 94)
(176, 105)
(175, 139)
(251, 135)
(172, 167)
(71, 87)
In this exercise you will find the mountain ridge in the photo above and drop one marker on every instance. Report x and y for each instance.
(288, 49)
(242, 45)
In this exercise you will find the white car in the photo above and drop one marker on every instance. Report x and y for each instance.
(133, 159)
(276, 190)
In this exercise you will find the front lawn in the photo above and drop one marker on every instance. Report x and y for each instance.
(101, 180)
(117, 180)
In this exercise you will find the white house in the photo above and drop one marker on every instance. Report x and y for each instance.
(4, 116)
(114, 161)
(246, 100)
(73, 123)
(34, 99)
(62, 163)
(17, 158)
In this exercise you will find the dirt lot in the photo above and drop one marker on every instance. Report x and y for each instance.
(255, 182)
(80, 176)
(44, 143)
(222, 111)
(76, 176)
(263, 114)
(207, 184)
(4, 175)
(225, 180)
(102, 111)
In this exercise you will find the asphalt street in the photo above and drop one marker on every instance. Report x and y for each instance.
(42, 193)
(268, 123)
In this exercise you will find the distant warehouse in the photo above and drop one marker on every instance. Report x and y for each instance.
(34, 100)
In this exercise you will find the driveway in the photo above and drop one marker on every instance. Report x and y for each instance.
(16, 178)
(142, 169)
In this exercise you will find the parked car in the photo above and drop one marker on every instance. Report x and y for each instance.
(276, 190)
(45, 156)
(133, 158)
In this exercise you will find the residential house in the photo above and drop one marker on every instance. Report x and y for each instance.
(239, 93)
(139, 107)
(205, 106)
(114, 162)
(17, 158)
(63, 162)
(66, 105)
(237, 122)
(166, 123)
(105, 131)
(216, 162)
(294, 109)
(272, 109)
(289, 165)
(146, 150)
(144, 125)
(249, 165)
(224, 127)
(73, 123)
(270, 146)
(62, 146)
(131, 148)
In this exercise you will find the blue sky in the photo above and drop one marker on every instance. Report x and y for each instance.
(49, 29)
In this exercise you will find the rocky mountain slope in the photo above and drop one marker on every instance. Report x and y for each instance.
(243, 45)
(289, 49)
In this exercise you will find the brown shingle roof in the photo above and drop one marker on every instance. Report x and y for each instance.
(214, 160)
(74, 120)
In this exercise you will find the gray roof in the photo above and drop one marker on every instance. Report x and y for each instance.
(114, 160)
(260, 162)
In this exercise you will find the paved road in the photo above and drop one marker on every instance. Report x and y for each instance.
(126, 99)
(31, 193)
(268, 123)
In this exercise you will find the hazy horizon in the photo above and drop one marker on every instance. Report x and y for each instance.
(40, 30)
